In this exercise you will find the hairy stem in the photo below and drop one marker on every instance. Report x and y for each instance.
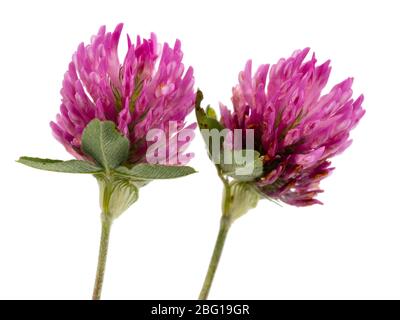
(219, 245)
(225, 224)
(101, 264)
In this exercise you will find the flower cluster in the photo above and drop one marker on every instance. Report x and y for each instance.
(146, 91)
(296, 128)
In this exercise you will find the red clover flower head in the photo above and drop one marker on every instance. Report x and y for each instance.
(145, 91)
(296, 129)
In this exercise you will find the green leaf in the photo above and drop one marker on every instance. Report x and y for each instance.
(70, 166)
(206, 119)
(144, 171)
(210, 112)
(105, 144)
(242, 165)
(208, 124)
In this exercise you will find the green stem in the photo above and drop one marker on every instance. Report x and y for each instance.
(219, 245)
(101, 264)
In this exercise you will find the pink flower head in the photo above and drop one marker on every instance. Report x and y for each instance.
(296, 129)
(145, 91)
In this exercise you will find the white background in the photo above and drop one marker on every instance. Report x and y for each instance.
(49, 223)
